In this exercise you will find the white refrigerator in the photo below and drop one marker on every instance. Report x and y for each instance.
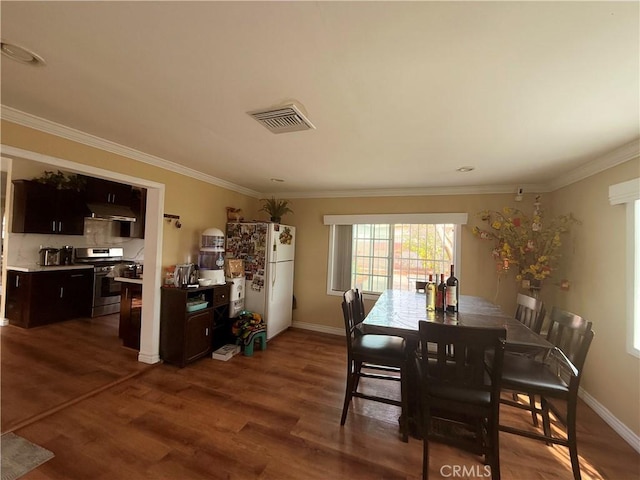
(268, 252)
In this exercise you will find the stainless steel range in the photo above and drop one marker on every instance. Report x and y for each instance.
(106, 291)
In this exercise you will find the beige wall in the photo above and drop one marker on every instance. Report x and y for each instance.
(598, 291)
(598, 244)
(199, 204)
(476, 274)
(593, 261)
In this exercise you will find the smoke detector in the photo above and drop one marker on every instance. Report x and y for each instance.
(282, 119)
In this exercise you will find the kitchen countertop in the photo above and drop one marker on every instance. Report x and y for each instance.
(128, 280)
(34, 267)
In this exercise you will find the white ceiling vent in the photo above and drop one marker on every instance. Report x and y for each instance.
(285, 118)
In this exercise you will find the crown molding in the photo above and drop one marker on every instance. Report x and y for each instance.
(618, 156)
(622, 154)
(414, 192)
(27, 120)
(611, 159)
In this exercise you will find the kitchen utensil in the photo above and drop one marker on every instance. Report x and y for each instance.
(49, 256)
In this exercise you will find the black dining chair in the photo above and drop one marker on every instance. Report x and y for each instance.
(530, 312)
(556, 377)
(460, 370)
(367, 353)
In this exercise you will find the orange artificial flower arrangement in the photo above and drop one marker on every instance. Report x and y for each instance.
(529, 243)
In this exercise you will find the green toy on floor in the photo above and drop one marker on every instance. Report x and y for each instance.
(249, 328)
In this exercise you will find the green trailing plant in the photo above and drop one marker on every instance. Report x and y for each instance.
(61, 181)
(275, 208)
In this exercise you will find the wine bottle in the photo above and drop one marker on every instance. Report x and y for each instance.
(430, 290)
(453, 292)
(440, 294)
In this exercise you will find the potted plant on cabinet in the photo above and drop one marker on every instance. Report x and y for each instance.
(275, 208)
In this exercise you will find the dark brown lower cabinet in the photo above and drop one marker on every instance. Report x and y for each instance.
(130, 314)
(221, 321)
(186, 331)
(39, 298)
(198, 336)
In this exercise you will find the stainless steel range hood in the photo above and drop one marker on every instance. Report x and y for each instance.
(108, 211)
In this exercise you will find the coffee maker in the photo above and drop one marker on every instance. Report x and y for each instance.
(66, 255)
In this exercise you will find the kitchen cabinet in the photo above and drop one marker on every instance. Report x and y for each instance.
(130, 314)
(105, 191)
(139, 207)
(221, 321)
(186, 336)
(41, 208)
(39, 298)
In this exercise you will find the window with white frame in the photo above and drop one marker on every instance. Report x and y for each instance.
(377, 252)
(629, 193)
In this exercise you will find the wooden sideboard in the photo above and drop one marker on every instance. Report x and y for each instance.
(186, 336)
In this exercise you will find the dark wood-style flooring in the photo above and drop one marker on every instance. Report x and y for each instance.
(275, 415)
(47, 367)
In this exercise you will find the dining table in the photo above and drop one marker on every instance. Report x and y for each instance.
(399, 312)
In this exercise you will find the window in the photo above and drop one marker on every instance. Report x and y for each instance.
(378, 252)
(629, 193)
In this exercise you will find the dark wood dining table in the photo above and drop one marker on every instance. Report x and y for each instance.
(399, 312)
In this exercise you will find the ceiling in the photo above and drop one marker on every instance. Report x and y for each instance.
(401, 93)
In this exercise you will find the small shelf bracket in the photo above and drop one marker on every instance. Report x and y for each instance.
(170, 218)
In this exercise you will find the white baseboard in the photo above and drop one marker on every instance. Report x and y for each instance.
(150, 359)
(319, 328)
(620, 428)
(4, 322)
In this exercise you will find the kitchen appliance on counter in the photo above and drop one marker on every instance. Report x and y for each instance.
(185, 274)
(49, 256)
(66, 255)
(211, 257)
(106, 291)
(268, 253)
(132, 270)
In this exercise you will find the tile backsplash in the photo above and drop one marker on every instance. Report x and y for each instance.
(24, 247)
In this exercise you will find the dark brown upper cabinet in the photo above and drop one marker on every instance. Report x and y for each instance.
(41, 208)
(105, 191)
